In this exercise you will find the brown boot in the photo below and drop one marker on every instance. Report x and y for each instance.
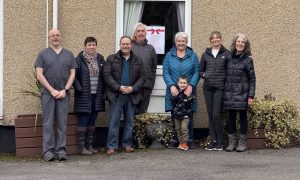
(94, 151)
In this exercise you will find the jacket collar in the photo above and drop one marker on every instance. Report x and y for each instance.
(144, 43)
(189, 52)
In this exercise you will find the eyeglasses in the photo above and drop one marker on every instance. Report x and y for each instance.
(55, 35)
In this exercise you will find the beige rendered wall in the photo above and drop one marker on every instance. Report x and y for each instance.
(272, 27)
(24, 37)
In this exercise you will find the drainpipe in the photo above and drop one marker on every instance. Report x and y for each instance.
(55, 13)
(47, 21)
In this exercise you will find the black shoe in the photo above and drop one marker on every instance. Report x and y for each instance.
(191, 145)
(173, 145)
(62, 158)
(218, 147)
(210, 147)
(49, 158)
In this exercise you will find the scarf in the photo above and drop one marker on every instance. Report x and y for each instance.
(91, 58)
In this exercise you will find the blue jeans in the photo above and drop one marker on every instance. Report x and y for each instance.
(123, 104)
(190, 128)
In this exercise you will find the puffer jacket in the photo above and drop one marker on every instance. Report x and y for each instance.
(173, 67)
(213, 70)
(240, 82)
(147, 54)
(112, 76)
(82, 97)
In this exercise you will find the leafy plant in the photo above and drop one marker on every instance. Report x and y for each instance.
(278, 118)
(140, 128)
(34, 88)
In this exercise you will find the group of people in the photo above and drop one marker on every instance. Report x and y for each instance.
(126, 80)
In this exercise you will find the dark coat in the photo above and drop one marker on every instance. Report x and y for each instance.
(213, 70)
(148, 55)
(82, 98)
(112, 76)
(182, 105)
(240, 82)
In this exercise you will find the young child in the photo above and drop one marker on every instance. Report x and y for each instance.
(182, 107)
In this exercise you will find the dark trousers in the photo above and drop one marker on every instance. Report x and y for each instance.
(214, 104)
(232, 121)
(88, 119)
(144, 102)
(86, 126)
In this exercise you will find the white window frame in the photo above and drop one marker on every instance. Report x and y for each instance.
(120, 17)
(1, 57)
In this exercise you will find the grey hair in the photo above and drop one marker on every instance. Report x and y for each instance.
(135, 27)
(247, 48)
(181, 34)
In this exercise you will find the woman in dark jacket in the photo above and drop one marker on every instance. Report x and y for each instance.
(213, 71)
(239, 90)
(89, 90)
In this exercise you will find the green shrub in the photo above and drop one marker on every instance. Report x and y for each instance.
(140, 126)
(278, 118)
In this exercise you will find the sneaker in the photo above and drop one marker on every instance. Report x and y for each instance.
(218, 147)
(172, 145)
(179, 146)
(184, 147)
(49, 158)
(191, 145)
(62, 158)
(210, 147)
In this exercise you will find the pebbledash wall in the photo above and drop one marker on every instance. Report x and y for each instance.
(273, 27)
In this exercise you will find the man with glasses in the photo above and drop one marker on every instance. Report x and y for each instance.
(55, 70)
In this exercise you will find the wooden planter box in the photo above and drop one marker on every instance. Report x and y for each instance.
(256, 141)
(29, 137)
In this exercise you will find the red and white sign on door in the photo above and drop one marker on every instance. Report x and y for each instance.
(156, 37)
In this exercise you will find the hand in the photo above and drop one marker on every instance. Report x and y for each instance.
(250, 101)
(62, 94)
(55, 93)
(188, 90)
(174, 91)
(122, 89)
(128, 90)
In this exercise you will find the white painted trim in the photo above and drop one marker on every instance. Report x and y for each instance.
(55, 13)
(119, 21)
(1, 57)
(120, 17)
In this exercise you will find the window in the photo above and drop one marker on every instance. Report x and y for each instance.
(175, 16)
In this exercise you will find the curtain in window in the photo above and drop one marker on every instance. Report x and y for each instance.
(133, 12)
(180, 15)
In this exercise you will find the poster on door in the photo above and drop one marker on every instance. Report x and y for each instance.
(156, 37)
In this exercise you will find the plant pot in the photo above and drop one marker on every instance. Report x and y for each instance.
(29, 135)
(155, 132)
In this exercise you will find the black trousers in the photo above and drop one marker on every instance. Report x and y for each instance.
(214, 106)
(232, 121)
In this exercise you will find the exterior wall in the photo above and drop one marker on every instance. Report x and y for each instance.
(272, 26)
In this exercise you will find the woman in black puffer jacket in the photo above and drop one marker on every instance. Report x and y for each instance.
(239, 90)
(213, 71)
(88, 98)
